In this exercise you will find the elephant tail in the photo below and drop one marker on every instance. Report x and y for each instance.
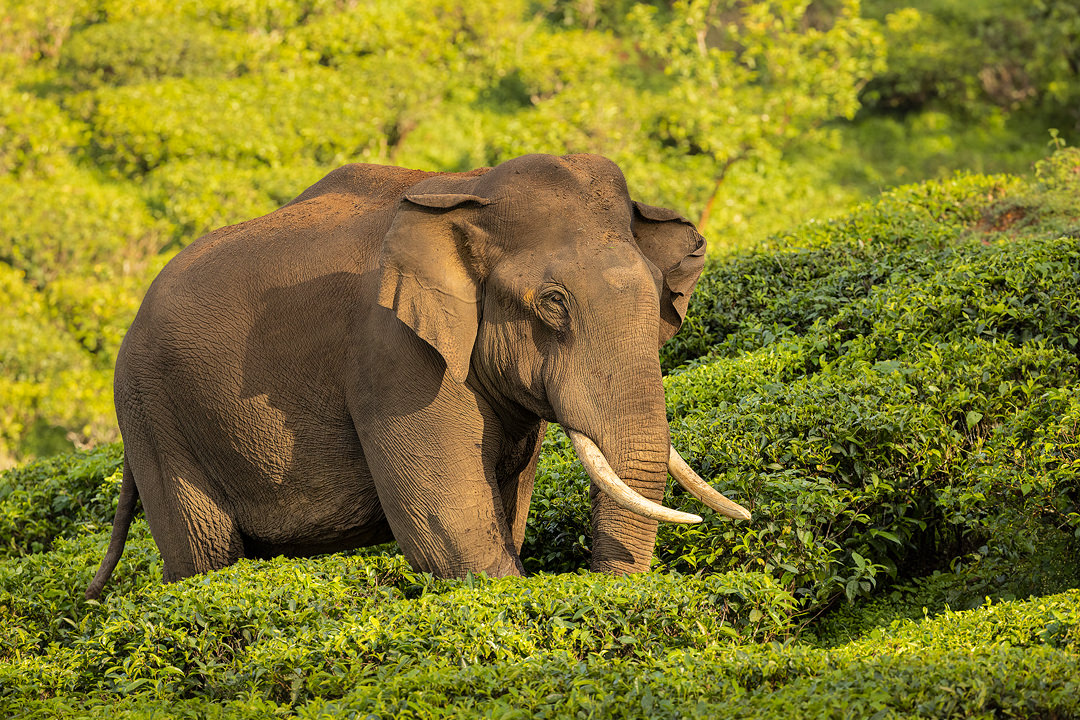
(125, 510)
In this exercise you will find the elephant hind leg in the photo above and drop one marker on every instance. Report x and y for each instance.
(214, 540)
(191, 524)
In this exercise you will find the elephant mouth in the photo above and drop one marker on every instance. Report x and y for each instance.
(601, 473)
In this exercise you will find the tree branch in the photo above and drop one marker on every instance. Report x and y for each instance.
(717, 182)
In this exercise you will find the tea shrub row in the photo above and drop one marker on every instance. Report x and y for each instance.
(150, 48)
(314, 628)
(892, 394)
(337, 636)
(52, 498)
(978, 59)
(897, 462)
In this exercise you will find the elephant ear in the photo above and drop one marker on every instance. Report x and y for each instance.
(672, 244)
(429, 277)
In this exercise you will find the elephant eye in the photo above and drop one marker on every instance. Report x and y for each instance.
(558, 299)
(554, 308)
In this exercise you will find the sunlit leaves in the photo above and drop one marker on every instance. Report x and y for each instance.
(744, 78)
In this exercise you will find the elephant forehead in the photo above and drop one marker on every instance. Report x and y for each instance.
(621, 277)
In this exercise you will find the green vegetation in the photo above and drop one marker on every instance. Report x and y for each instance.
(891, 382)
(895, 394)
(129, 128)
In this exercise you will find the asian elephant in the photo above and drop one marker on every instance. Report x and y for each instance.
(378, 360)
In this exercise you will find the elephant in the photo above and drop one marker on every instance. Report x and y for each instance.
(378, 360)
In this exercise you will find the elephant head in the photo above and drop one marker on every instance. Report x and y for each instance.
(548, 291)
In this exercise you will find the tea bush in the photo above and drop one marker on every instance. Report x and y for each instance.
(49, 499)
(48, 388)
(892, 394)
(37, 137)
(331, 636)
(306, 629)
(137, 128)
(83, 250)
(194, 197)
(147, 49)
(978, 58)
(894, 397)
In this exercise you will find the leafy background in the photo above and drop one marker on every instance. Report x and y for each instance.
(889, 380)
(130, 127)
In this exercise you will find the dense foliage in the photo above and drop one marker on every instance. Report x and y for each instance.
(894, 392)
(129, 128)
(896, 396)
(1002, 55)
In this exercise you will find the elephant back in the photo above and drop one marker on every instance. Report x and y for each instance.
(370, 187)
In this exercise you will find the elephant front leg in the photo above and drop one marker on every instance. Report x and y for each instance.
(434, 471)
(516, 472)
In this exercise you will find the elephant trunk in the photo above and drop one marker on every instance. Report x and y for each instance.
(622, 538)
(629, 476)
(622, 494)
(628, 465)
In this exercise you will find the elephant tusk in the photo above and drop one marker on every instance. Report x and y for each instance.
(624, 496)
(685, 475)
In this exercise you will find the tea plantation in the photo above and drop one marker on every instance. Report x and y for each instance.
(895, 396)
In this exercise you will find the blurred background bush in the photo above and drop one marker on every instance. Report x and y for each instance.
(128, 128)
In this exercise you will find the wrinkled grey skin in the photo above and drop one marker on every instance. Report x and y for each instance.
(377, 360)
